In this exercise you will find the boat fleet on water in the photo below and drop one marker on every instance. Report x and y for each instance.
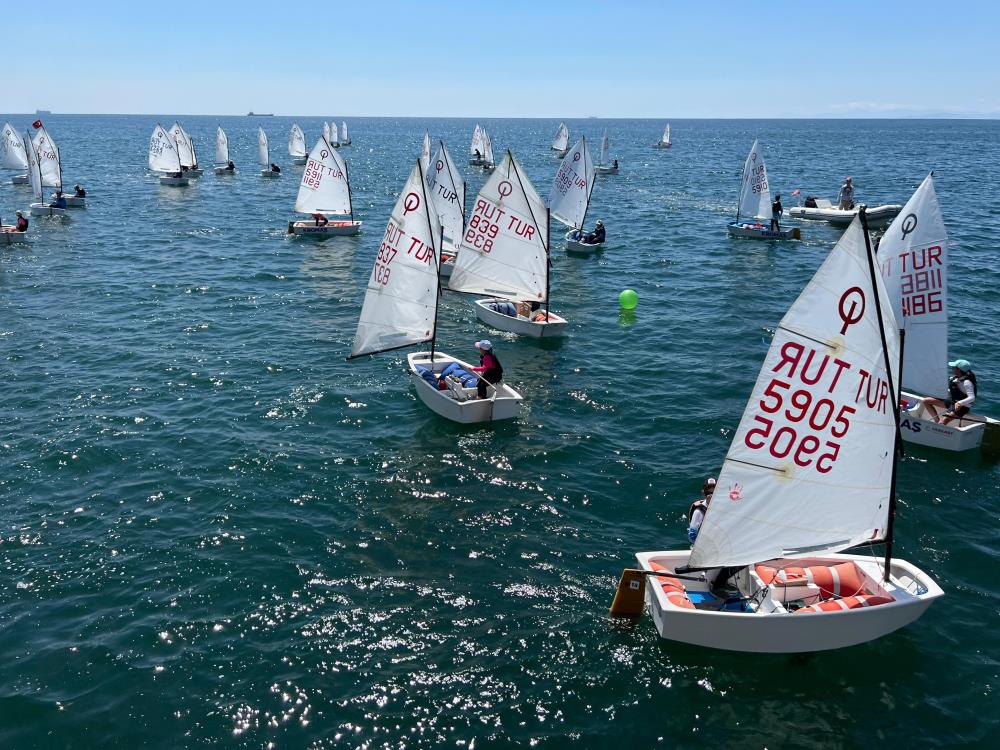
(853, 369)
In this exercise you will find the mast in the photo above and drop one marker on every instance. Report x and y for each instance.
(897, 442)
(347, 177)
(548, 258)
(437, 255)
(590, 192)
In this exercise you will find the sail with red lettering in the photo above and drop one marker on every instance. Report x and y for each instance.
(400, 307)
(810, 466)
(504, 250)
(48, 159)
(12, 154)
(296, 141)
(561, 140)
(755, 195)
(913, 256)
(572, 187)
(447, 190)
(324, 187)
(163, 151)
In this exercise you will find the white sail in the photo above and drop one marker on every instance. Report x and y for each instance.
(400, 304)
(163, 151)
(324, 187)
(913, 255)
(326, 131)
(48, 159)
(221, 146)
(34, 173)
(561, 141)
(194, 152)
(263, 154)
(476, 147)
(447, 190)
(810, 466)
(334, 138)
(296, 141)
(605, 159)
(488, 157)
(666, 134)
(344, 137)
(504, 250)
(755, 195)
(425, 153)
(184, 149)
(572, 186)
(12, 154)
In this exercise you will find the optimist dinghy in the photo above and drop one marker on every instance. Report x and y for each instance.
(264, 155)
(505, 254)
(913, 257)
(297, 144)
(560, 143)
(400, 310)
(447, 190)
(50, 158)
(664, 141)
(12, 155)
(477, 147)
(325, 191)
(569, 198)
(345, 138)
(9, 235)
(222, 159)
(604, 164)
(186, 151)
(755, 203)
(163, 157)
(810, 473)
(824, 210)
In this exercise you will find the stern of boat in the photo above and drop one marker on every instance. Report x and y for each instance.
(916, 426)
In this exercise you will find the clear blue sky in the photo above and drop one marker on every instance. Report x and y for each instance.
(543, 58)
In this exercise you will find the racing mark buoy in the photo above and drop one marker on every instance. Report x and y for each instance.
(628, 299)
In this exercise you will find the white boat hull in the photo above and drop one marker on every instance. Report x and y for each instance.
(916, 426)
(447, 266)
(174, 181)
(193, 173)
(560, 152)
(299, 160)
(333, 229)
(875, 215)
(505, 405)
(555, 326)
(269, 173)
(44, 209)
(574, 244)
(771, 627)
(474, 162)
(19, 179)
(12, 237)
(73, 202)
(760, 231)
(662, 145)
(223, 171)
(606, 170)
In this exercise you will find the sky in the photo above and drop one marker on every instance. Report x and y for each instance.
(513, 58)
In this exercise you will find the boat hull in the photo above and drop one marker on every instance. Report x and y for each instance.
(781, 631)
(474, 162)
(269, 173)
(506, 404)
(606, 170)
(174, 181)
(759, 231)
(916, 426)
(298, 160)
(560, 152)
(224, 171)
(19, 179)
(44, 209)
(876, 215)
(555, 326)
(73, 202)
(574, 244)
(12, 237)
(663, 145)
(333, 229)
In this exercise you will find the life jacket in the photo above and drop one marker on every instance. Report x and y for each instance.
(496, 371)
(22, 224)
(700, 503)
(955, 390)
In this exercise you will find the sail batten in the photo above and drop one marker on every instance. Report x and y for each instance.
(810, 466)
(573, 184)
(324, 187)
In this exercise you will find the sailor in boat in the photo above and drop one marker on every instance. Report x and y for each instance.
(79, 192)
(614, 164)
(597, 236)
(810, 202)
(320, 219)
(490, 371)
(479, 156)
(275, 168)
(230, 167)
(22, 222)
(696, 513)
(962, 389)
(59, 201)
(776, 211)
(845, 201)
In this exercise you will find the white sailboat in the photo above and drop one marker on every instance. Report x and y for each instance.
(400, 310)
(186, 151)
(326, 132)
(488, 163)
(297, 144)
(664, 141)
(425, 153)
(325, 191)
(755, 203)
(476, 147)
(345, 138)
(560, 143)
(264, 156)
(36, 159)
(447, 190)
(12, 155)
(604, 163)
(334, 137)
(913, 256)
(569, 198)
(810, 473)
(223, 164)
(163, 157)
(505, 254)
(10, 235)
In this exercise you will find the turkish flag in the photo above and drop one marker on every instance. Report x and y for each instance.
(36, 124)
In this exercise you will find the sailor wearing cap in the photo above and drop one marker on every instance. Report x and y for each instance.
(696, 513)
(962, 389)
(490, 370)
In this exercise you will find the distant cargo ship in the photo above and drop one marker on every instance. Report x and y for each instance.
(43, 112)
(260, 114)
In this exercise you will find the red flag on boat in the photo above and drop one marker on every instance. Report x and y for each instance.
(36, 124)
(796, 191)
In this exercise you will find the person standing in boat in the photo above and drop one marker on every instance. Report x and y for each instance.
(962, 390)
(696, 513)
(79, 192)
(845, 201)
(490, 370)
(776, 211)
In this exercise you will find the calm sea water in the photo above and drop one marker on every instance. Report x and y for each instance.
(215, 532)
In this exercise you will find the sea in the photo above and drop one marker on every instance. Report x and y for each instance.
(217, 532)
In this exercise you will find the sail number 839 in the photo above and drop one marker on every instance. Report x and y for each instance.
(805, 442)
